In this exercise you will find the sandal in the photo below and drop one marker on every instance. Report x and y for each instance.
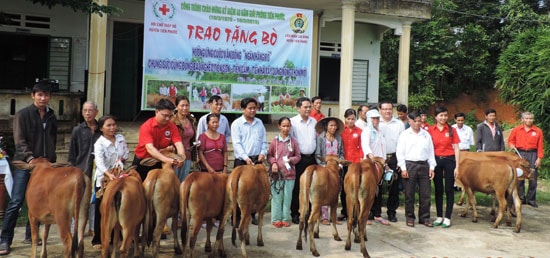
(277, 224)
(382, 221)
(96, 247)
(325, 222)
(285, 224)
(369, 222)
(410, 223)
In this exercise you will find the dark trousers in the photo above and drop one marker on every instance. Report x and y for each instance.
(97, 221)
(20, 180)
(301, 166)
(444, 169)
(344, 211)
(393, 191)
(531, 197)
(143, 170)
(418, 176)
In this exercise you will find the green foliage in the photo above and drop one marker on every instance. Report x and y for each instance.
(523, 76)
(87, 6)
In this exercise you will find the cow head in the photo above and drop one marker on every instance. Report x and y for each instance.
(528, 172)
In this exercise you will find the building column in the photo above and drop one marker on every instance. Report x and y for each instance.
(403, 68)
(346, 61)
(96, 65)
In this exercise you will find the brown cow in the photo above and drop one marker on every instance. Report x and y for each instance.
(319, 185)
(202, 197)
(360, 184)
(162, 198)
(512, 157)
(122, 209)
(497, 176)
(55, 195)
(248, 188)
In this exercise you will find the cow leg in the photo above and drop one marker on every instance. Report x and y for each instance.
(493, 209)
(127, 237)
(208, 245)
(501, 206)
(471, 202)
(64, 227)
(333, 208)
(243, 230)
(45, 234)
(350, 206)
(116, 239)
(260, 239)
(177, 246)
(34, 235)
(194, 228)
(218, 245)
(517, 205)
(184, 231)
(157, 232)
(106, 228)
(314, 219)
(461, 199)
(300, 228)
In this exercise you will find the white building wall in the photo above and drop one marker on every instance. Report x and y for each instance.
(367, 47)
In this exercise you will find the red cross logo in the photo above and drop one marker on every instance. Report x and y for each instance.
(164, 9)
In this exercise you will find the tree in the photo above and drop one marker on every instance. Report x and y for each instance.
(87, 6)
(524, 74)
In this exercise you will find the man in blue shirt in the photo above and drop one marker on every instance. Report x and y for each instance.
(249, 138)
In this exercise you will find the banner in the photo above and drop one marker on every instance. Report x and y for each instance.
(235, 50)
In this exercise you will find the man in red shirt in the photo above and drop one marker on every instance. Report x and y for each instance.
(316, 109)
(528, 140)
(157, 133)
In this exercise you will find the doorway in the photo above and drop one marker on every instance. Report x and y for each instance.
(126, 71)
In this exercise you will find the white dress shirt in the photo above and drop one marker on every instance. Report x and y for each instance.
(391, 131)
(373, 141)
(415, 147)
(304, 132)
(466, 135)
(106, 155)
(248, 139)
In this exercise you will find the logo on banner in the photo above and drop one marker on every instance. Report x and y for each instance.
(164, 10)
(298, 23)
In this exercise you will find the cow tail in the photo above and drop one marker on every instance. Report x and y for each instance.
(307, 187)
(79, 190)
(234, 204)
(149, 215)
(184, 200)
(356, 183)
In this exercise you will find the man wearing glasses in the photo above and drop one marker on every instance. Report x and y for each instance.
(157, 133)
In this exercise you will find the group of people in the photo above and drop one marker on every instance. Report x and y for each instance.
(415, 151)
(169, 91)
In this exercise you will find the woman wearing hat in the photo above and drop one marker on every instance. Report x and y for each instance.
(329, 142)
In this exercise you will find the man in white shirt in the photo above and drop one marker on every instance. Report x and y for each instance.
(303, 130)
(465, 133)
(391, 128)
(362, 116)
(415, 157)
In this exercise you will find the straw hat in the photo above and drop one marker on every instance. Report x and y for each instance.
(322, 125)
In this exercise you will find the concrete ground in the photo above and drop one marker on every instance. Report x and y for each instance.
(463, 239)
